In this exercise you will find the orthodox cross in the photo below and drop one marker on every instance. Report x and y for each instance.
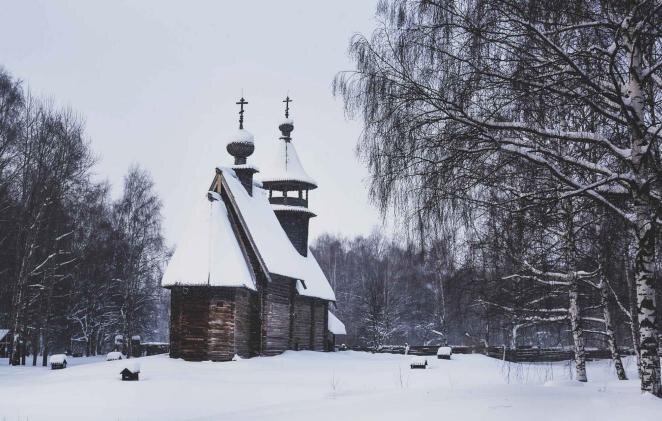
(287, 101)
(241, 104)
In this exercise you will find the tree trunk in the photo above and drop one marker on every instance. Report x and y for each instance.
(609, 328)
(649, 361)
(577, 331)
(34, 346)
(44, 358)
(634, 325)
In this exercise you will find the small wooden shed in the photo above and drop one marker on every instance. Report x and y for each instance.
(131, 371)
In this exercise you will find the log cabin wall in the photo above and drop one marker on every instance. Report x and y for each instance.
(247, 323)
(276, 304)
(301, 321)
(295, 225)
(189, 323)
(221, 324)
(175, 323)
(319, 324)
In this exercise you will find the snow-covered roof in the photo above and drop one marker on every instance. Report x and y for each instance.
(335, 326)
(57, 359)
(209, 253)
(419, 360)
(292, 208)
(273, 245)
(241, 136)
(245, 167)
(444, 350)
(3, 333)
(132, 365)
(287, 121)
(287, 166)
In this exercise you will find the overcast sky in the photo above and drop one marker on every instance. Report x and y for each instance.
(157, 82)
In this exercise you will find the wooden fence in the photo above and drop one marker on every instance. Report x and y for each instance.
(423, 350)
(519, 355)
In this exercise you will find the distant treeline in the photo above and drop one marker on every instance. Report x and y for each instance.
(458, 290)
(76, 267)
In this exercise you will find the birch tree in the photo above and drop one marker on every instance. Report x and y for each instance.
(450, 91)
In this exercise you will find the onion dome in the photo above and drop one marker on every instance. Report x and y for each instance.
(286, 127)
(241, 146)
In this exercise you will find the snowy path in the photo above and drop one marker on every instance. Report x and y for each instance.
(320, 386)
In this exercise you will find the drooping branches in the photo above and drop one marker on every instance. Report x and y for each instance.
(479, 104)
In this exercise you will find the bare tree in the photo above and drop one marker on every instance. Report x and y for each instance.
(453, 92)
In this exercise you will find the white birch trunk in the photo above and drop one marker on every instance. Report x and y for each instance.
(577, 331)
(609, 328)
(649, 360)
(645, 220)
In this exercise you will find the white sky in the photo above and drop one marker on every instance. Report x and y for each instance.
(157, 81)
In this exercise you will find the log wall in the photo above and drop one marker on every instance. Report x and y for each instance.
(221, 324)
(217, 323)
(189, 323)
(319, 325)
(276, 304)
(247, 323)
(295, 225)
(301, 319)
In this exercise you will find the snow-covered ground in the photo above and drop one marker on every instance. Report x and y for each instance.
(322, 386)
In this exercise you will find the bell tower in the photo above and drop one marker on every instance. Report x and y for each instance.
(289, 187)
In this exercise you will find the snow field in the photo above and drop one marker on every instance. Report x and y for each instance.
(322, 386)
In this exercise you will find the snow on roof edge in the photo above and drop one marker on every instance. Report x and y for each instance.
(335, 326)
(292, 208)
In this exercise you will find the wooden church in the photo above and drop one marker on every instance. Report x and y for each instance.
(243, 280)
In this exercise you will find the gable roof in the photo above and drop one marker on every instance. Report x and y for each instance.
(209, 253)
(272, 244)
